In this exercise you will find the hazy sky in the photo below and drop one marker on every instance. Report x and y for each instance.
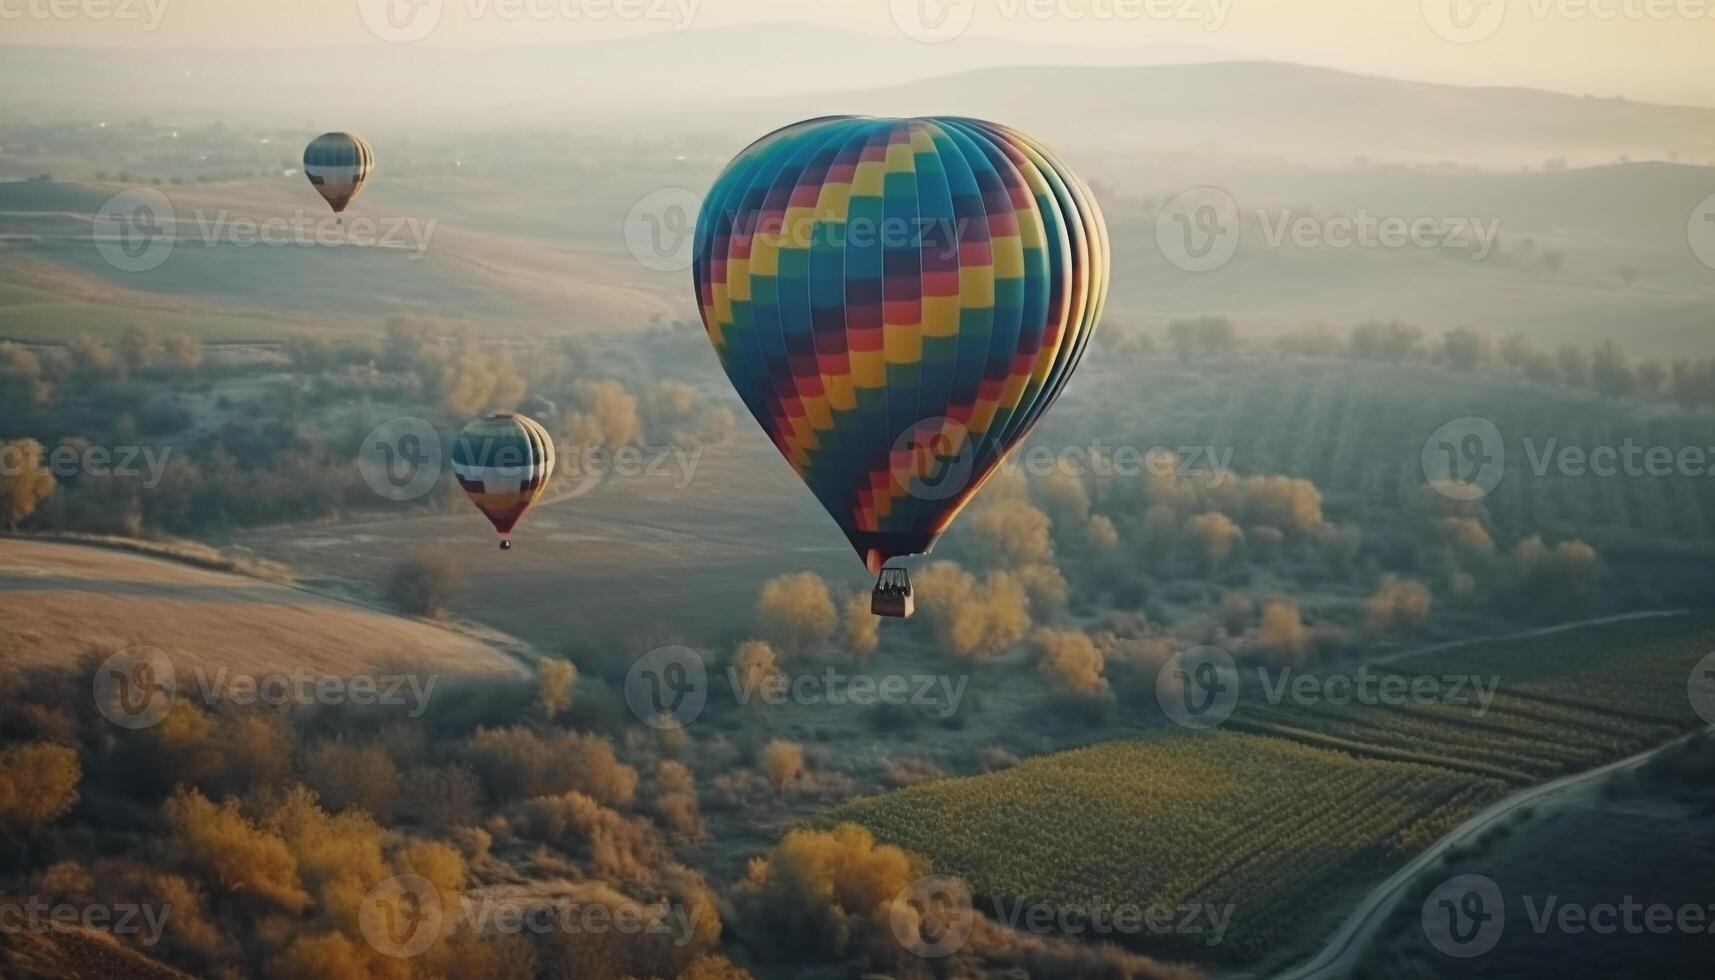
(1654, 49)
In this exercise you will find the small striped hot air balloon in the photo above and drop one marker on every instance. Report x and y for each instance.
(898, 301)
(504, 462)
(337, 164)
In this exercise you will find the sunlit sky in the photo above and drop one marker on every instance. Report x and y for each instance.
(1649, 49)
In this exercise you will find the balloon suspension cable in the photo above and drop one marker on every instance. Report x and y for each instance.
(892, 596)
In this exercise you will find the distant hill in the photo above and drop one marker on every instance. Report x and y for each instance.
(389, 83)
(1296, 112)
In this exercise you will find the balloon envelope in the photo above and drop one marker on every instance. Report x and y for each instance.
(337, 164)
(898, 301)
(504, 462)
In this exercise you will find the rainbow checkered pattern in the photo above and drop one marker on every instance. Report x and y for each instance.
(898, 301)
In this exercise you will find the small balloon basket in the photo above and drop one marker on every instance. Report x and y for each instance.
(892, 596)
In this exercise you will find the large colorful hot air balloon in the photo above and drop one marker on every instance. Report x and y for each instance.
(898, 301)
(503, 462)
(337, 165)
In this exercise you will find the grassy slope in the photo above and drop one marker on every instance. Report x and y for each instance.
(58, 601)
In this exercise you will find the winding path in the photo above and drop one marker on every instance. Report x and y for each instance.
(1339, 954)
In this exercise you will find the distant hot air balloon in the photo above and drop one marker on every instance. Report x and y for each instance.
(898, 301)
(503, 462)
(337, 165)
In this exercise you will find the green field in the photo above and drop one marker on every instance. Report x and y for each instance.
(1284, 825)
